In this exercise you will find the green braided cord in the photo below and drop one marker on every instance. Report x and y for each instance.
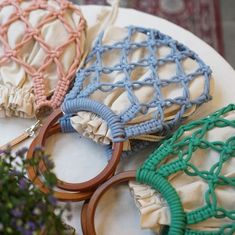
(159, 183)
(181, 148)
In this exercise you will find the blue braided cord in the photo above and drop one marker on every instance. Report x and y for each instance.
(65, 124)
(113, 121)
(89, 80)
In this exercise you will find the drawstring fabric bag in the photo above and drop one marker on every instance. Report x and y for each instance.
(188, 182)
(41, 45)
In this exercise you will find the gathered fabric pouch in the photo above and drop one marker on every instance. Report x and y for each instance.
(188, 182)
(134, 82)
(41, 46)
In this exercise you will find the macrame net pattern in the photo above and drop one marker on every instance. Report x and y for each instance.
(52, 54)
(178, 152)
(90, 80)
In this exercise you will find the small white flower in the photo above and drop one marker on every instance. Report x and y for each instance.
(37, 211)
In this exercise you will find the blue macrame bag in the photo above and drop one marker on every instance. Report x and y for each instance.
(134, 85)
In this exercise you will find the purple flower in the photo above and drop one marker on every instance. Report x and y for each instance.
(22, 183)
(38, 148)
(15, 172)
(21, 152)
(31, 226)
(49, 163)
(20, 229)
(6, 151)
(28, 232)
(52, 200)
(16, 212)
(41, 206)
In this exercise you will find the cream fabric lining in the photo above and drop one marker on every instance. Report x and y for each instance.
(92, 126)
(16, 87)
(153, 209)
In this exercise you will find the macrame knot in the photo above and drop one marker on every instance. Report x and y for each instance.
(152, 60)
(10, 53)
(24, 14)
(211, 122)
(205, 69)
(126, 67)
(75, 34)
(32, 32)
(58, 13)
(126, 45)
(54, 54)
(195, 141)
(19, 14)
(151, 43)
(227, 150)
(99, 49)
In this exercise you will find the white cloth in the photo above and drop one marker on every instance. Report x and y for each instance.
(153, 209)
(16, 86)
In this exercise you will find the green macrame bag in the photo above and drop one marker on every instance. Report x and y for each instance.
(200, 153)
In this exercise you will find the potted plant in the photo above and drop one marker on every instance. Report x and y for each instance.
(24, 209)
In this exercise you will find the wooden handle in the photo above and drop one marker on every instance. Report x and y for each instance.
(35, 178)
(49, 128)
(16, 141)
(88, 210)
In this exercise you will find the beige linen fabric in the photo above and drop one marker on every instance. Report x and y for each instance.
(153, 209)
(16, 86)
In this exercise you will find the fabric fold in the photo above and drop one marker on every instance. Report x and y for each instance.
(16, 101)
(92, 126)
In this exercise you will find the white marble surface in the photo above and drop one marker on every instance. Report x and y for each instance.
(78, 159)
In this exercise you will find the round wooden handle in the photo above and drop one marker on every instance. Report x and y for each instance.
(89, 208)
(35, 179)
(84, 217)
(49, 128)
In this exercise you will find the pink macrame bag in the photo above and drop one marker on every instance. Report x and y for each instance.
(41, 45)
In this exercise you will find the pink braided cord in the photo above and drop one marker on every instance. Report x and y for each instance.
(52, 55)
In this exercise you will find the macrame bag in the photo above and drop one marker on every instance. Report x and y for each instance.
(190, 179)
(41, 45)
(135, 81)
